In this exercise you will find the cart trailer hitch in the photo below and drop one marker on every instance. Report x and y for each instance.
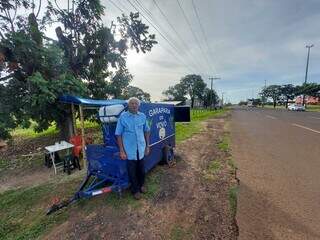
(59, 205)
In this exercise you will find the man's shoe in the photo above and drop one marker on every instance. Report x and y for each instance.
(137, 196)
(143, 189)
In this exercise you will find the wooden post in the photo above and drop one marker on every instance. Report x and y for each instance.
(73, 120)
(83, 139)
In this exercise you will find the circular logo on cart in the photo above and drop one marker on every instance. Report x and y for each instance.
(162, 133)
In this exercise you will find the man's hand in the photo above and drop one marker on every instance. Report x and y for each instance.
(123, 155)
(147, 151)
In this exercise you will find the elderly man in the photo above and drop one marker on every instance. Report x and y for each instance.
(132, 134)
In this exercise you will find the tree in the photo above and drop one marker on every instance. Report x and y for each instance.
(194, 86)
(310, 89)
(288, 92)
(176, 93)
(210, 97)
(272, 91)
(132, 91)
(86, 59)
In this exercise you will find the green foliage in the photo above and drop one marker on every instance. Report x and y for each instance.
(132, 91)
(193, 86)
(209, 97)
(186, 130)
(180, 233)
(272, 91)
(22, 211)
(86, 60)
(233, 192)
(224, 144)
(310, 89)
(176, 93)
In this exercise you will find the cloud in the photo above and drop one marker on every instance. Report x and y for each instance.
(250, 41)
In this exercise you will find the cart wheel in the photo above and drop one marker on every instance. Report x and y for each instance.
(168, 156)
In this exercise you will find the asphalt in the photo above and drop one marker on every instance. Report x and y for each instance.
(278, 158)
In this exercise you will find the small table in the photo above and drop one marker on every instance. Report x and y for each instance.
(63, 145)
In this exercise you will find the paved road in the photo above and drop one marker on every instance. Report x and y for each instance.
(278, 158)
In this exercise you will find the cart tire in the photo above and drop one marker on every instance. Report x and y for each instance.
(168, 156)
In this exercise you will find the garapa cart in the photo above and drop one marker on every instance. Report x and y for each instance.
(106, 172)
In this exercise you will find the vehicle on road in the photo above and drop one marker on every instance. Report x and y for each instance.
(296, 107)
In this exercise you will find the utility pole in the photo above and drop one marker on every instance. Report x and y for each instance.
(211, 97)
(306, 76)
(263, 96)
(222, 99)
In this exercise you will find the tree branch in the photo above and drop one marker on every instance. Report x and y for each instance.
(9, 18)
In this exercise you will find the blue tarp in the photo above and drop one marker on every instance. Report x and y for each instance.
(90, 102)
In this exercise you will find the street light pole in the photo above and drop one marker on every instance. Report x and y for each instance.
(222, 99)
(307, 67)
(211, 96)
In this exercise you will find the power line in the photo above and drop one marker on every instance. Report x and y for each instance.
(195, 37)
(164, 37)
(173, 43)
(144, 8)
(202, 29)
(172, 27)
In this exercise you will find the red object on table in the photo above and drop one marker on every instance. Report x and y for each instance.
(77, 142)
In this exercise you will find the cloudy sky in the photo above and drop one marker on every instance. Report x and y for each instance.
(246, 42)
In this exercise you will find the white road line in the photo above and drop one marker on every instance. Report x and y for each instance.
(271, 117)
(310, 129)
(315, 118)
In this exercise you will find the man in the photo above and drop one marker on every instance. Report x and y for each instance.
(132, 134)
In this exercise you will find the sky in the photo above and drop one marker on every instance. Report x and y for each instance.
(243, 42)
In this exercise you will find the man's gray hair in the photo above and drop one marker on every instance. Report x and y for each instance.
(134, 99)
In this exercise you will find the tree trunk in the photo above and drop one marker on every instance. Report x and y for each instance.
(192, 102)
(65, 126)
(274, 103)
(287, 103)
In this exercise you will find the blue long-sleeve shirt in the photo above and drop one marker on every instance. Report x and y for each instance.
(131, 127)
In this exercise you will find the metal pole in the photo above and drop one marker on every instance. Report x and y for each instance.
(83, 138)
(73, 120)
(307, 67)
(211, 93)
(222, 99)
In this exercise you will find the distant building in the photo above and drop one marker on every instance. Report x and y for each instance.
(308, 100)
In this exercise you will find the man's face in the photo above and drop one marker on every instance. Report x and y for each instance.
(133, 106)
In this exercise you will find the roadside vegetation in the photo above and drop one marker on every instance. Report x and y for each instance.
(22, 210)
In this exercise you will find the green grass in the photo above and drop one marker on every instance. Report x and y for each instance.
(233, 192)
(186, 130)
(22, 211)
(21, 162)
(224, 144)
(179, 233)
(51, 131)
(313, 108)
(231, 164)
(213, 168)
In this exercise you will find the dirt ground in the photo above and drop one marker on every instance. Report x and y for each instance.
(188, 206)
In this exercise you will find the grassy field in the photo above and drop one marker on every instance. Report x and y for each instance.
(186, 130)
(52, 130)
(313, 108)
(22, 211)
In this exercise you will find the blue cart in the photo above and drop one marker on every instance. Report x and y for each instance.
(106, 172)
